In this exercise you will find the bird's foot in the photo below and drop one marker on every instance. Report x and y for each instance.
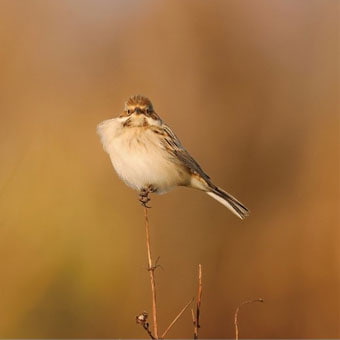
(144, 195)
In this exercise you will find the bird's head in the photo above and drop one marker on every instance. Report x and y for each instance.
(139, 110)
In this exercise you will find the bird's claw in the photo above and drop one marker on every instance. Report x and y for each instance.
(144, 196)
(144, 201)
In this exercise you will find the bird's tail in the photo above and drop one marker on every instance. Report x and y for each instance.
(229, 201)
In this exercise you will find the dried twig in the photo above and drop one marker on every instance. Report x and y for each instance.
(142, 319)
(196, 319)
(237, 311)
(193, 316)
(176, 318)
(151, 270)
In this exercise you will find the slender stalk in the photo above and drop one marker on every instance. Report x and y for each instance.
(193, 316)
(151, 270)
(176, 318)
(198, 306)
(142, 319)
(237, 311)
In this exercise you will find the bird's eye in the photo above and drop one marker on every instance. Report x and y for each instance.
(147, 110)
(129, 112)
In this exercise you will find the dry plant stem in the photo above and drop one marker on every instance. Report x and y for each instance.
(237, 311)
(142, 319)
(149, 332)
(151, 270)
(193, 316)
(176, 318)
(196, 318)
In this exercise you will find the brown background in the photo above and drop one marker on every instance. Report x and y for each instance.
(250, 87)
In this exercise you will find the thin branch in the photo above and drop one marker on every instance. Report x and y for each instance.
(193, 316)
(237, 311)
(149, 332)
(142, 319)
(196, 319)
(176, 318)
(151, 270)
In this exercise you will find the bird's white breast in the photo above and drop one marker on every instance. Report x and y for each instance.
(138, 156)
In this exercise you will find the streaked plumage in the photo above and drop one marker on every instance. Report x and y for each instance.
(146, 153)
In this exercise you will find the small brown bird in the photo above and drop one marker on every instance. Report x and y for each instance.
(148, 156)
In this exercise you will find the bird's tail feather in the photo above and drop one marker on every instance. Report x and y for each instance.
(229, 201)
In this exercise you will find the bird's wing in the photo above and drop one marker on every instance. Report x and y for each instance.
(172, 144)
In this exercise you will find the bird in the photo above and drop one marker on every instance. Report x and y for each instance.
(150, 158)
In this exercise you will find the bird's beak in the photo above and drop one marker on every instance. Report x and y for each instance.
(138, 111)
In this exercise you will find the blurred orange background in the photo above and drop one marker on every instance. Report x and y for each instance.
(250, 87)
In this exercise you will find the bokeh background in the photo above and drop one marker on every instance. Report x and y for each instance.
(251, 89)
